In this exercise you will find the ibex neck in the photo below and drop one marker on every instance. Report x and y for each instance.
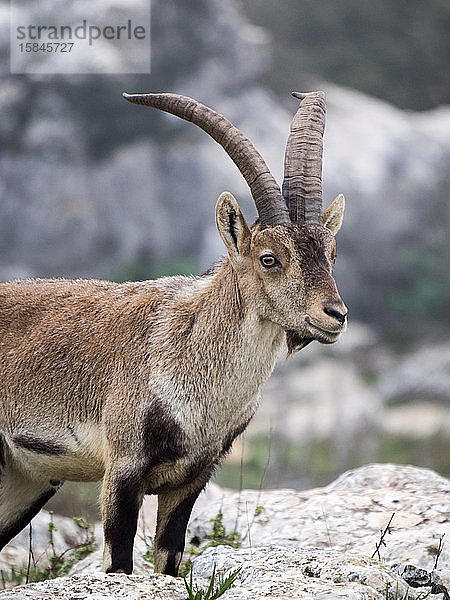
(211, 354)
(227, 313)
(219, 338)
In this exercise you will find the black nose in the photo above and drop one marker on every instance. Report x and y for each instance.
(335, 313)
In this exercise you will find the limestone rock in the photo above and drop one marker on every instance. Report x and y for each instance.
(100, 586)
(347, 515)
(307, 545)
(282, 573)
(275, 572)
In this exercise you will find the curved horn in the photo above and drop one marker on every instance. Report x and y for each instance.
(302, 184)
(266, 193)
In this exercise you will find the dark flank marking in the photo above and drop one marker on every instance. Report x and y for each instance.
(8, 534)
(120, 528)
(2, 451)
(37, 445)
(163, 437)
(173, 534)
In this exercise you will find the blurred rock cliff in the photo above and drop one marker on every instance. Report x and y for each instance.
(91, 186)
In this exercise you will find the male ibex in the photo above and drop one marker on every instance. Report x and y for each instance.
(147, 384)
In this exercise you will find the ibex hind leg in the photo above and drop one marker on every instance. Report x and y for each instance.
(174, 510)
(21, 498)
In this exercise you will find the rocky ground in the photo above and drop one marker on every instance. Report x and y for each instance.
(315, 544)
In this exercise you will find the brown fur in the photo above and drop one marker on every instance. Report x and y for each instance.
(146, 384)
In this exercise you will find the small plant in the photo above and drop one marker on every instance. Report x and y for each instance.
(88, 544)
(59, 564)
(381, 542)
(214, 590)
(439, 551)
(185, 568)
(259, 510)
(148, 556)
(218, 535)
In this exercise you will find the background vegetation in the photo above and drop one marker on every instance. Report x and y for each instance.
(397, 50)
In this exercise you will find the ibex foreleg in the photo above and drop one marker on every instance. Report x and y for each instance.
(122, 496)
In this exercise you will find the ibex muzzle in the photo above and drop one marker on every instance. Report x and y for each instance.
(147, 384)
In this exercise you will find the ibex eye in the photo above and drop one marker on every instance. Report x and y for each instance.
(268, 260)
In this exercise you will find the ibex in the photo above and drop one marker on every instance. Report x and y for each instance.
(147, 384)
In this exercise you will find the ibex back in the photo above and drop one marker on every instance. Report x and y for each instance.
(147, 384)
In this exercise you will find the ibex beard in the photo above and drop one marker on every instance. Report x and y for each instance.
(147, 384)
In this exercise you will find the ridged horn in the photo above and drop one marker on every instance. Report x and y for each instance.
(266, 192)
(302, 184)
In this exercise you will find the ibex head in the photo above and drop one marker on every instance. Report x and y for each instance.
(284, 261)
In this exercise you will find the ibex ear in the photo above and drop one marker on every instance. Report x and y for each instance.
(231, 225)
(334, 214)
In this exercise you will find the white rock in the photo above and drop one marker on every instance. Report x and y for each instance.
(282, 573)
(347, 515)
(100, 586)
(306, 545)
